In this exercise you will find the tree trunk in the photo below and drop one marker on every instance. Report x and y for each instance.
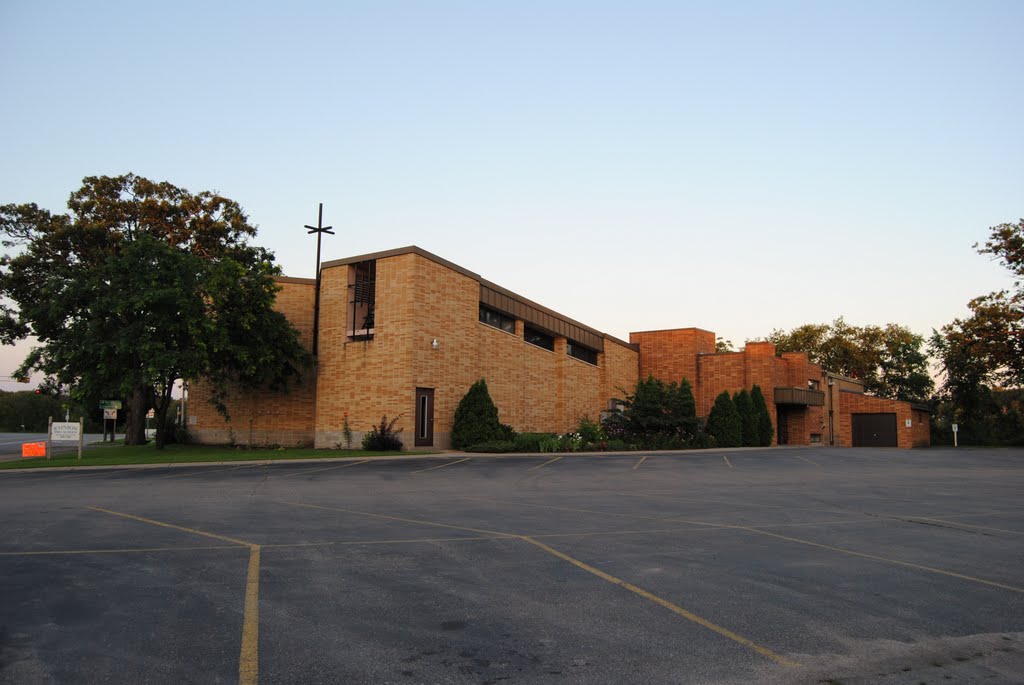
(162, 403)
(135, 421)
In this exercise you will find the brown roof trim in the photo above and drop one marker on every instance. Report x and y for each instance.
(413, 249)
(397, 252)
(293, 279)
(671, 330)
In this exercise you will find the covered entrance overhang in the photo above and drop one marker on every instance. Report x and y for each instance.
(791, 412)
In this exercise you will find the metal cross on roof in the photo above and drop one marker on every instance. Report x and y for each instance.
(319, 229)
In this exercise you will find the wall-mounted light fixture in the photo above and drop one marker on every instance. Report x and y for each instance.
(434, 344)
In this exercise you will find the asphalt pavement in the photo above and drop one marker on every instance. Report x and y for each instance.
(785, 566)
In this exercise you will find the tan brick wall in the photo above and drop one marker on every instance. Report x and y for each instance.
(418, 301)
(364, 379)
(263, 417)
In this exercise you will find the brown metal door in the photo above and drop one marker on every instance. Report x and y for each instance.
(782, 426)
(874, 430)
(424, 417)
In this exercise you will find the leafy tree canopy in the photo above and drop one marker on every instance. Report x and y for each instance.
(139, 284)
(986, 349)
(890, 361)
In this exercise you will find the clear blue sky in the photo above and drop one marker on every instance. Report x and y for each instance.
(737, 166)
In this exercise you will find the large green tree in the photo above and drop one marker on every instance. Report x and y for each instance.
(139, 284)
(984, 352)
(891, 361)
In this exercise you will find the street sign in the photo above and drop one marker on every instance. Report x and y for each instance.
(151, 414)
(110, 414)
(110, 404)
(31, 450)
(65, 431)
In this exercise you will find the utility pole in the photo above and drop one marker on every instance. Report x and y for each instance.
(319, 229)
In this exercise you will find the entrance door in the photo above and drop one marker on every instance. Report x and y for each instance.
(424, 417)
(781, 425)
(874, 430)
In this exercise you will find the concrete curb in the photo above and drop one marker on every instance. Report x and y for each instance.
(399, 457)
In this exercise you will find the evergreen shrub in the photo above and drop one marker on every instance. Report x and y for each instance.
(476, 419)
(765, 431)
(748, 420)
(724, 422)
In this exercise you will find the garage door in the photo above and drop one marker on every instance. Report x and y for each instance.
(874, 430)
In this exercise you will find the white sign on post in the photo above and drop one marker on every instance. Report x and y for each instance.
(110, 414)
(65, 431)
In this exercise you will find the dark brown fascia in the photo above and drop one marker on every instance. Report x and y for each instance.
(293, 279)
(412, 249)
(670, 330)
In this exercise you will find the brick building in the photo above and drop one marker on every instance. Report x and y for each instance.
(405, 333)
(808, 406)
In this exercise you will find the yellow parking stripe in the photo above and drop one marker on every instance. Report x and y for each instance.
(329, 468)
(642, 460)
(203, 471)
(675, 608)
(441, 466)
(399, 518)
(127, 550)
(172, 526)
(248, 658)
(549, 461)
(907, 564)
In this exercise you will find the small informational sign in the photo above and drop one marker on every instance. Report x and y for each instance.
(955, 428)
(110, 414)
(908, 423)
(110, 404)
(151, 414)
(32, 450)
(65, 431)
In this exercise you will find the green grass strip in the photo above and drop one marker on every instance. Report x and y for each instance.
(123, 455)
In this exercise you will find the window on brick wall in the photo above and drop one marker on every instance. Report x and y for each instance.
(362, 300)
(495, 318)
(539, 338)
(813, 385)
(584, 354)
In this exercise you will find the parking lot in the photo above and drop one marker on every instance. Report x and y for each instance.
(783, 565)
